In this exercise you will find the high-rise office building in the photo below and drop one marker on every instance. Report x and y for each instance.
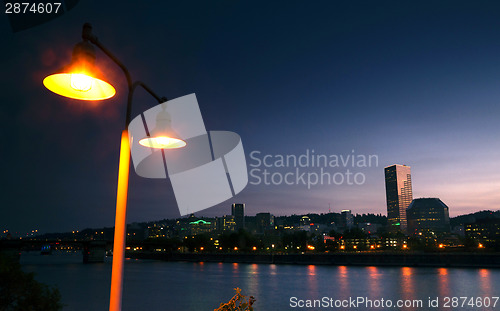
(238, 211)
(346, 221)
(225, 224)
(428, 216)
(399, 196)
(264, 221)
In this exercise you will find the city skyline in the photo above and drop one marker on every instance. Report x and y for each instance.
(409, 83)
(227, 216)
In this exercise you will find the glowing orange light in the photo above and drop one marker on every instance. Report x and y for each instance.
(310, 247)
(162, 142)
(81, 82)
(355, 247)
(254, 248)
(441, 246)
(79, 85)
(342, 247)
(372, 246)
(235, 248)
(405, 246)
(480, 245)
(163, 136)
(201, 248)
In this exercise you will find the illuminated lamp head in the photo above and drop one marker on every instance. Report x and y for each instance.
(80, 79)
(163, 135)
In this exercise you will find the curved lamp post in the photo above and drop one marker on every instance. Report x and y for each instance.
(82, 80)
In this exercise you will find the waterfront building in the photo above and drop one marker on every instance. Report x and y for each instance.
(394, 242)
(484, 230)
(264, 222)
(200, 226)
(428, 216)
(360, 244)
(305, 221)
(458, 230)
(158, 230)
(135, 231)
(346, 220)
(238, 211)
(369, 227)
(399, 195)
(225, 224)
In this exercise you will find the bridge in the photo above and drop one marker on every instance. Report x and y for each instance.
(92, 250)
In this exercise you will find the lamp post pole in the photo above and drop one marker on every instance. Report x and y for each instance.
(75, 81)
(123, 177)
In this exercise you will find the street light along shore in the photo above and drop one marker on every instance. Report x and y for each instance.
(82, 80)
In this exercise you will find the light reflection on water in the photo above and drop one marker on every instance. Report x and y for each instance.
(374, 280)
(407, 280)
(443, 282)
(156, 285)
(312, 279)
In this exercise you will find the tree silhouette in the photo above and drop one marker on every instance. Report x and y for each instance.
(19, 291)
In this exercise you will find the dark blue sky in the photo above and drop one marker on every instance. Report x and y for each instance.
(412, 83)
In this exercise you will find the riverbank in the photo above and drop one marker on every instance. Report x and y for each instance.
(472, 260)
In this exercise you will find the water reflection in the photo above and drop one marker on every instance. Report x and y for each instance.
(203, 286)
(254, 268)
(374, 285)
(253, 277)
(343, 279)
(272, 269)
(407, 283)
(312, 279)
(485, 281)
(443, 282)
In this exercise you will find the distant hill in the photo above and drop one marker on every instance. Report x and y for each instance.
(470, 218)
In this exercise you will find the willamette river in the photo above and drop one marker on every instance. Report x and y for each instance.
(183, 286)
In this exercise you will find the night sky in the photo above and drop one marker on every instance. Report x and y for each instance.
(415, 83)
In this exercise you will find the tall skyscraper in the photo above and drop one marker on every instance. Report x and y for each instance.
(238, 211)
(399, 196)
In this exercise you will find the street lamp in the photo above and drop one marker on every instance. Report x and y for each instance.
(82, 80)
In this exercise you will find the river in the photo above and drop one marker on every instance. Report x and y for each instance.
(185, 286)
